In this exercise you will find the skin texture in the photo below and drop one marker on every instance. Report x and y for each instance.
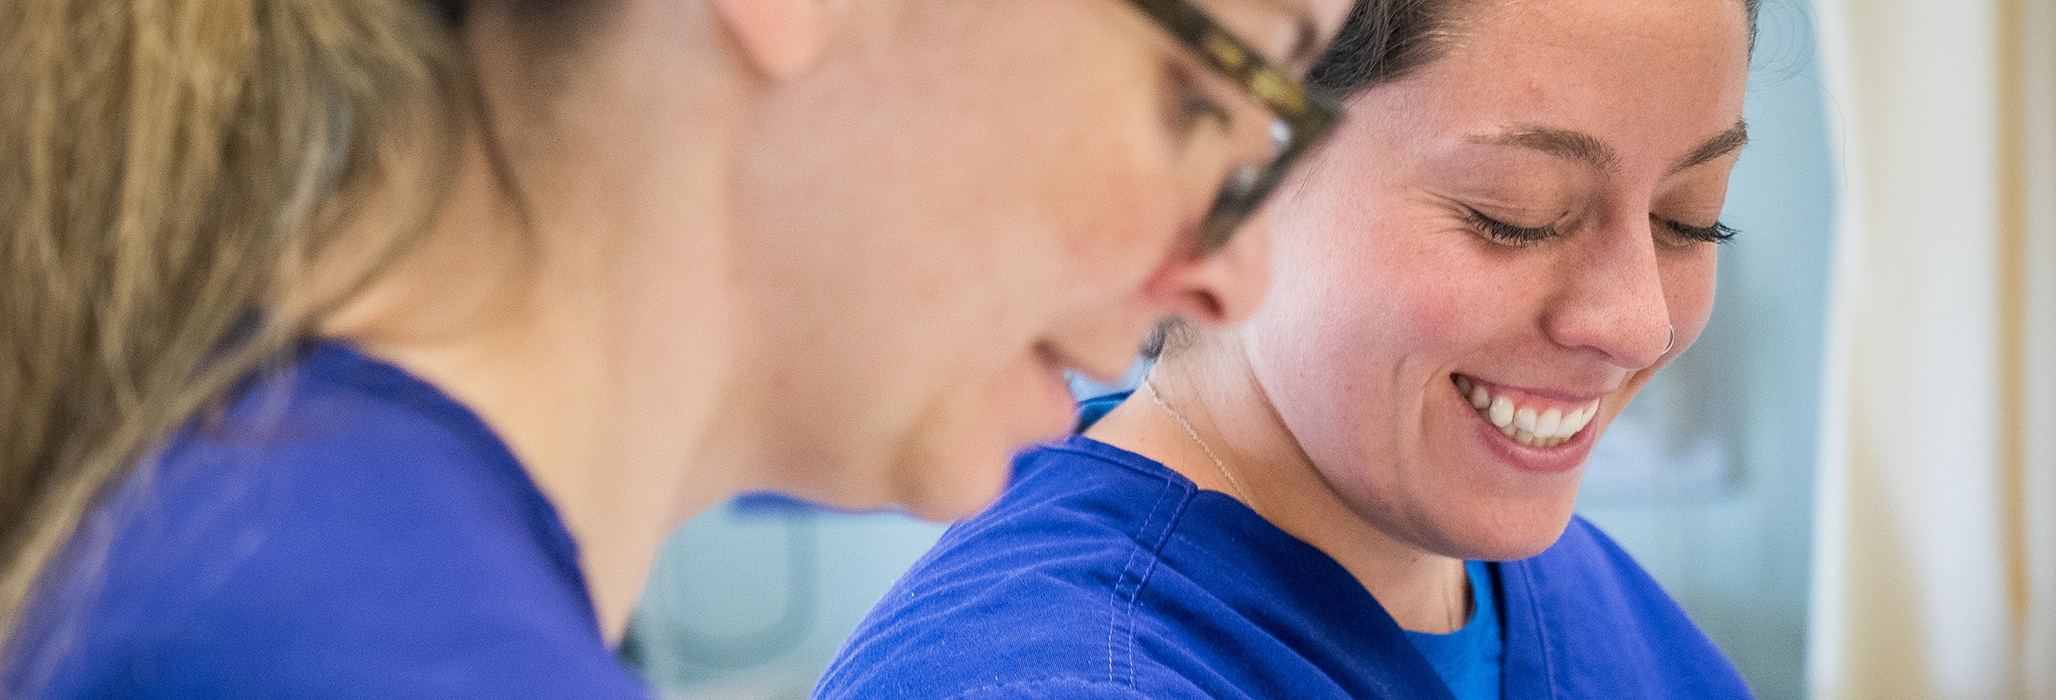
(833, 248)
(1333, 406)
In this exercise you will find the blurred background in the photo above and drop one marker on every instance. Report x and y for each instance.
(1751, 476)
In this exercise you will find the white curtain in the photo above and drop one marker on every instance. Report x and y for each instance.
(1935, 539)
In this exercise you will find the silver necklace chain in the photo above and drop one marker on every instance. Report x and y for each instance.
(1157, 397)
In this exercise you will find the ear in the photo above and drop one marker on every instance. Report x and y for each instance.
(782, 38)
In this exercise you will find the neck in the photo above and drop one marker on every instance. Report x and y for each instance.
(548, 322)
(1260, 464)
(575, 293)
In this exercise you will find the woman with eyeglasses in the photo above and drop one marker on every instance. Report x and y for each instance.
(370, 348)
(1364, 490)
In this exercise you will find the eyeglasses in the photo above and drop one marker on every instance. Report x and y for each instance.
(1305, 113)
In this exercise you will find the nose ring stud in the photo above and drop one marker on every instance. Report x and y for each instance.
(1672, 342)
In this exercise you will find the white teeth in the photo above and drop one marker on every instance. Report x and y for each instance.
(1576, 420)
(1501, 412)
(1548, 428)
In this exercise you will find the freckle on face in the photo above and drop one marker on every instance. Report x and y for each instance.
(1383, 293)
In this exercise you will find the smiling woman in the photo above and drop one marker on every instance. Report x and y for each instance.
(1366, 488)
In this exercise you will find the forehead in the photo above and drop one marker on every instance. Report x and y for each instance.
(1614, 68)
(1618, 20)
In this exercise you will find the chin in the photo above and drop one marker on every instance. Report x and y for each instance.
(1508, 532)
(951, 484)
(960, 457)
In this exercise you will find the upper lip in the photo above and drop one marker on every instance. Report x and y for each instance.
(1560, 394)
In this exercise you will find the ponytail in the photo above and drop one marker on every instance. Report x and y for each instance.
(167, 167)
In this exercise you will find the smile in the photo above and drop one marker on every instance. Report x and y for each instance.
(1535, 426)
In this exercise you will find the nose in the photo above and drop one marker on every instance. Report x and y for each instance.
(1611, 299)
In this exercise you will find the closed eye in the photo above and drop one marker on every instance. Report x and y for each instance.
(1509, 234)
(1717, 233)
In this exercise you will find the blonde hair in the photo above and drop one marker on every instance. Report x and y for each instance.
(167, 168)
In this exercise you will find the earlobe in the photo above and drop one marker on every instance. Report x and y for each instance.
(782, 38)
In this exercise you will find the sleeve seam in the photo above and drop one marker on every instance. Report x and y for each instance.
(981, 691)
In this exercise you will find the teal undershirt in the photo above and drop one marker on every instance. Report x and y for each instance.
(1469, 659)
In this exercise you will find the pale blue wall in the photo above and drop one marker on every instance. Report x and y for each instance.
(725, 582)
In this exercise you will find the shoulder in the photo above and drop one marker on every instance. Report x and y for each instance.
(1023, 599)
(1609, 628)
(1102, 574)
(347, 529)
(1074, 510)
(1585, 564)
(348, 477)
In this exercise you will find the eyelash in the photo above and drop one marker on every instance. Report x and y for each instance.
(1519, 236)
(1717, 233)
(1509, 234)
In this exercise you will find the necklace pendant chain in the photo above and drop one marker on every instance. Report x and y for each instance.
(1157, 398)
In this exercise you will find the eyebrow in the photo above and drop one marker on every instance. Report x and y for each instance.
(1585, 148)
(1562, 143)
(1727, 142)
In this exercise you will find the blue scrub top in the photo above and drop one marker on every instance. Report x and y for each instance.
(347, 531)
(1103, 574)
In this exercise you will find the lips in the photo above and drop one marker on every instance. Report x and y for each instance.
(1527, 420)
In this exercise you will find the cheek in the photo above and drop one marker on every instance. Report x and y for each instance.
(1125, 200)
(1383, 292)
(1045, 215)
(1347, 334)
(1121, 221)
(1069, 162)
(1689, 283)
(1086, 201)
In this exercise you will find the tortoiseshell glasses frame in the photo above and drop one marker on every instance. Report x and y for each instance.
(1304, 113)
